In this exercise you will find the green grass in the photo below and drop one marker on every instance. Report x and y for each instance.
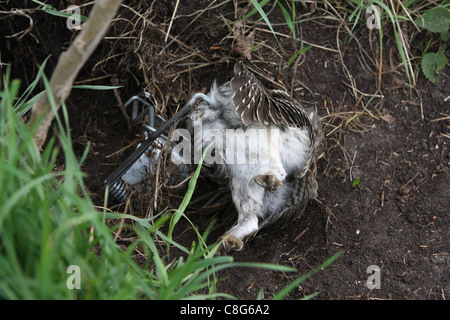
(53, 11)
(48, 223)
(406, 21)
(402, 22)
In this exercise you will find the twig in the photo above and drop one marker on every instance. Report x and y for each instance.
(70, 63)
(410, 180)
(120, 103)
(171, 20)
(441, 119)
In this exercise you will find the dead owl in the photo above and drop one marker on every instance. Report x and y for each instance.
(266, 144)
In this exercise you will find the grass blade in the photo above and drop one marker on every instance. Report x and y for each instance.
(264, 16)
(280, 295)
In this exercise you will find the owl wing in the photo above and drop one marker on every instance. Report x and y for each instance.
(250, 98)
(256, 104)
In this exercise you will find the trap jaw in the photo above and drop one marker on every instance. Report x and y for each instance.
(138, 165)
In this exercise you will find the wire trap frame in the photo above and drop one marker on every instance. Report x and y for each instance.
(136, 166)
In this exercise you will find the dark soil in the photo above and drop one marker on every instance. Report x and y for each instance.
(396, 217)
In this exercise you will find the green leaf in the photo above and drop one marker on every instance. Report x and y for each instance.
(303, 50)
(445, 36)
(248, 15)
(253, 11)
(95, 87)
(436, 20)
(431, 64)
(288, 19)
(53, 11)
(356, 182)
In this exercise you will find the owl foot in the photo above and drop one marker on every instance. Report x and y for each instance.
(268, 181)
(229, 242)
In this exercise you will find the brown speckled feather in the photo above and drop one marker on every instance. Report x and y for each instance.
(256, 104)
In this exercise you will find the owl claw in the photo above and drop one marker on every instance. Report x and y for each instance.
(268, 181)
(230, 242)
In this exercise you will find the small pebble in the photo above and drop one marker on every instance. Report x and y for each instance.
(437, 259)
